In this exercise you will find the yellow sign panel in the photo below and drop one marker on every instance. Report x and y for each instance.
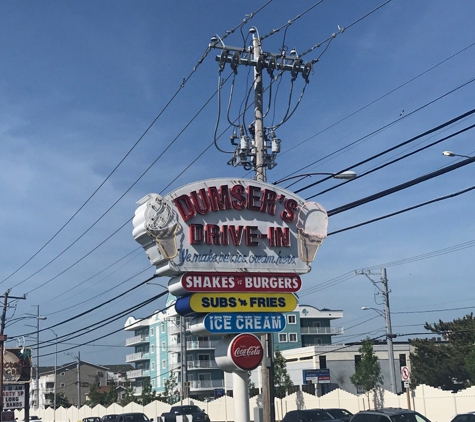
(243, 302)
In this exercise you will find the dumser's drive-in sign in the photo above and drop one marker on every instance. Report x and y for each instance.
(229, 225)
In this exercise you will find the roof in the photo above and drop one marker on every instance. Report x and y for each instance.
(119, 368)
(390, 411)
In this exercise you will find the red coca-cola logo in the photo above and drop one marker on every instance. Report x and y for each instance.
(246, 351)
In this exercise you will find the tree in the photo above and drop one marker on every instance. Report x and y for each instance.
(170, 393)
(95, 397)
(282, 379)
(111, 395)
(61, 400)
(129, 391)
(449, 365)
(148, 394)
(367, 376)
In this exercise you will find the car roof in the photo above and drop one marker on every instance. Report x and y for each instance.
(388, 411)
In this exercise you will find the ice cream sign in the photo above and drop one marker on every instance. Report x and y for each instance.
(229, 225)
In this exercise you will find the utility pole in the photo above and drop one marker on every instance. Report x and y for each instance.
(184, 384)
(3, 338)
(79, 379)
(260, 154)
(387, 317)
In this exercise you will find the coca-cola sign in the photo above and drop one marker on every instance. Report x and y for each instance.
(246, 351)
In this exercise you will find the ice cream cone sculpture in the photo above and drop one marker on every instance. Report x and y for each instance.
(312, 224)
(162, 225)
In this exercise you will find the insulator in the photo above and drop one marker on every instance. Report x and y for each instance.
(295, 68)
(306, 70)
(222, 59)
(271, 65)
(261, 63)
(235, 61)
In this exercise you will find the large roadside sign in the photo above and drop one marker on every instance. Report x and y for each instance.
(232, 225)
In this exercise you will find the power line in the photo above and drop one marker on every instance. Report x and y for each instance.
(182, 85)
(452, 195)
(373, 102)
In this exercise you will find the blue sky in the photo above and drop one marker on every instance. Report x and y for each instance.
(81, 81)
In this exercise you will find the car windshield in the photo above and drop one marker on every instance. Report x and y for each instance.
(409, 417)
(135, 417)
(308, 415)
(339, 412)
(191, 409)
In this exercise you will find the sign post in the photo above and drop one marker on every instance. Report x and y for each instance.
(406, 377)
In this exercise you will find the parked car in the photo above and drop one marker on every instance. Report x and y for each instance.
(464, 417)
(197, 414)
(388, 415)
(110, 418)
(133, 417)
(342, 414)
(308, 415)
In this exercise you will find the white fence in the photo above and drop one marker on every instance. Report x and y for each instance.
(437, 405)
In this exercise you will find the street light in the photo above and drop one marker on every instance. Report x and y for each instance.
(389, 341)
(344, 175)
(453, 154)
(37, 374)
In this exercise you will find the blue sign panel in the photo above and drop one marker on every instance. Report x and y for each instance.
(246, 322)
(316, 376)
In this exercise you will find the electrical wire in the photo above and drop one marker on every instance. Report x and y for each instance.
(182, 85)
(291, 21)
(95, 308)
(400, 187)
(401, 144)
(402, 157)
(376, 100)
(442, 198)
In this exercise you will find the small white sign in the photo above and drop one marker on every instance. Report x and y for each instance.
(13, 396)
(406, 384)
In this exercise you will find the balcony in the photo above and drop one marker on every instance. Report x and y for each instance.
(132, 341)
(207, 344)
(322, 330)
(138, 373)
(206, 385)
(134, 357)
(201, 364)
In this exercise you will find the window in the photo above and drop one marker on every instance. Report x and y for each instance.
(63, 374)
(152, 331)
(152, 366)
(153, 382)
(293, 337)
(164, 346)
(62, 384)
(402, 359)
(357, 360)
(163, 327)
(323, 361)
(291, 319)
(164, 364)
(152, 348)
(283, 338)
(316, 324)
